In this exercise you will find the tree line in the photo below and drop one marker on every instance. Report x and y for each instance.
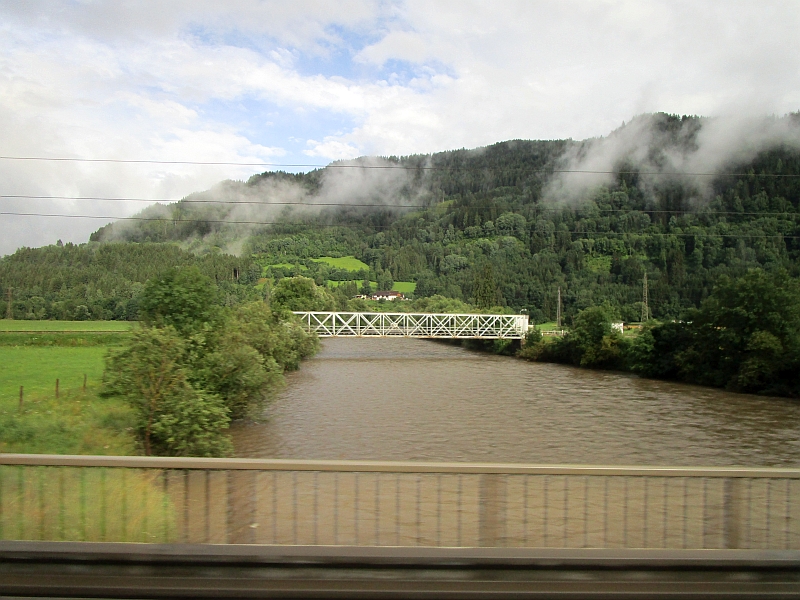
(745, 336)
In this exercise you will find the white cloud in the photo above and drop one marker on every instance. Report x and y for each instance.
(331, 149)
(145, 80)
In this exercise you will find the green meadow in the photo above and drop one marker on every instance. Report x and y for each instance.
(348, 263)
(404, 287)
(78, 421)
(82, 326)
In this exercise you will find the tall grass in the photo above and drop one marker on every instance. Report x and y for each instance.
(79, 504)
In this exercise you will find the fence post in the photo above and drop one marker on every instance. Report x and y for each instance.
(20, 397)
(84, 382)
(731, 518)
(56, 389)
(491, 515)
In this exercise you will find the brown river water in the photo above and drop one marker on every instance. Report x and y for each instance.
(419, 400)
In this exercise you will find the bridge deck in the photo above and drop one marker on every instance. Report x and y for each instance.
(415, 325)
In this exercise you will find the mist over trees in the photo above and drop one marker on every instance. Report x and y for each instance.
(501, 225)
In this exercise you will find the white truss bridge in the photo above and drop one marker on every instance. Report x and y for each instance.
(415, 325)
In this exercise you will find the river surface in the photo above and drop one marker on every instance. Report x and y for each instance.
(407, 399)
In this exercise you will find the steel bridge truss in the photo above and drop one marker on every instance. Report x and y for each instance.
(415, 325)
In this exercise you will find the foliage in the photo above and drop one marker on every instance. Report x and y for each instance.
(104, 281)
(744, 337)
(173, 417)
(300, 293)
(181, 298)
(589, 343)
(193, 366)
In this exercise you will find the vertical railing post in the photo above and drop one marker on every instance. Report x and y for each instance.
(732, 508)
(490, 511)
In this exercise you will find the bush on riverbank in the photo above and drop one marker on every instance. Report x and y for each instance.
(589, 343)
(744, 337)
(194, 365)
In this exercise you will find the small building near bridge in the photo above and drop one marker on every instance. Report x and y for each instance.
(390, 296)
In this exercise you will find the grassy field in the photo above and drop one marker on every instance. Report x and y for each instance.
(78, 422)
(348, 263)
(87, 326)
(404, 287)
(335, 284)
(37, 368)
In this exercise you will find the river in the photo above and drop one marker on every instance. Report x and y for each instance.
(407, 399)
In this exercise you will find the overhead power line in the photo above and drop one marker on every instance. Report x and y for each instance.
(384, 167)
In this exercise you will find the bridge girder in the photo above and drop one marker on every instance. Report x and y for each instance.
(414, 325)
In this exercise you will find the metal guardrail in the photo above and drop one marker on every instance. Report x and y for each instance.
(355, 503)
(415, 325)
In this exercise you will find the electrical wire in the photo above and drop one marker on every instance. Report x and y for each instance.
(384, 167)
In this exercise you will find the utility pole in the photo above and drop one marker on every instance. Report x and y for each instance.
(9, 311)
(645, 305)
(558, 309)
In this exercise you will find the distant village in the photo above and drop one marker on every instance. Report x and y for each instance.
(388, 296)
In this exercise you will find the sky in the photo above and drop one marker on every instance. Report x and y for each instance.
(307, 82)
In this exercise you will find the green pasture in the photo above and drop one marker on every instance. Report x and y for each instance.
(78, 421)
(335, 284)
(348, 263)
(404, 287)
(88, 326)
(549, 326)
(37, 368)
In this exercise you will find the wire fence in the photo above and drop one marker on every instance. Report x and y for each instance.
(241, 501)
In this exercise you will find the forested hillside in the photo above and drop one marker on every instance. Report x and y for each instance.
(101, 281)
(505, 225)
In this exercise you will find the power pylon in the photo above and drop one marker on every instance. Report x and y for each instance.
(558, 310)
(645, 304)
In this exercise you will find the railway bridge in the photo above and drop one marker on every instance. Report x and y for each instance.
(415, 325)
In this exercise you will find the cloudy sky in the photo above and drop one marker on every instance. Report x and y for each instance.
(305, 82)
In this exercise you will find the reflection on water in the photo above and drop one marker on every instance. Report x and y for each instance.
(405, 399)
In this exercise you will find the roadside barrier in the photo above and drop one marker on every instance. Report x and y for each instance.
(363, 503)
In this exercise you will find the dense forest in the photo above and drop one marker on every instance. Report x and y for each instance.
(505, 225)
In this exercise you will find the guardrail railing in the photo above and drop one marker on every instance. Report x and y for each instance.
(253, 501)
